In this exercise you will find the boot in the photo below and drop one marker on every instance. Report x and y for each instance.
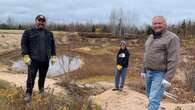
(28, 97)
(42, 93)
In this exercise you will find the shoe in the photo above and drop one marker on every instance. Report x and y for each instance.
(28, 98)
(42, 93)
(115, 89)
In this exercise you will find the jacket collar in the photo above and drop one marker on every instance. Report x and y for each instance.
(159, 34)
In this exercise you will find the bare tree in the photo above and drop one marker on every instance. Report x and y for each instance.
(121, 22)
(10, 21)
(65, 67)
(113, 21)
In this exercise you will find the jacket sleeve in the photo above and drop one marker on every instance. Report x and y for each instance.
(117, 57)
(173, 55)
(25, 43)
(53, 47)
(126, 59)
(143, 69)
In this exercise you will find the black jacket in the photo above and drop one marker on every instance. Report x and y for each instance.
(123, 57)
(30, 44)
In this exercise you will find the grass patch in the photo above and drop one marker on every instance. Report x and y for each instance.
(94, 50)
(4, 85)
(99, 50)
(96, 79)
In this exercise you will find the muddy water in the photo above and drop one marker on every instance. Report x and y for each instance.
(63, 65)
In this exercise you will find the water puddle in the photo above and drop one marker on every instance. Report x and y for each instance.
(63, 65)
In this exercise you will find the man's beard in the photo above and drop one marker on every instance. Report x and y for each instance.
(40, 26)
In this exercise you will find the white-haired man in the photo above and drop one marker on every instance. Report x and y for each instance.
(161, 58)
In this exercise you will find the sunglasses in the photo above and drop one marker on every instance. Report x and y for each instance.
(41, 20)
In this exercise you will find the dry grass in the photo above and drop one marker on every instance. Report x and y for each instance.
(12, 99)
(3, 86)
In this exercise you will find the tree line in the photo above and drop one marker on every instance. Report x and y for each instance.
(120, 23)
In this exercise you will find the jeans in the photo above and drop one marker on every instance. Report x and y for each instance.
(33, 68)
(154, 88)
(120, 78)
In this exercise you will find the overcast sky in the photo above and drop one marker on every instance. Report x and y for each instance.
(96, 10)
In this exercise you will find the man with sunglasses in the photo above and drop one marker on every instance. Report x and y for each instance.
(38, 47)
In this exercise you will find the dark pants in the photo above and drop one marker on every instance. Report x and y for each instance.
(33, 68)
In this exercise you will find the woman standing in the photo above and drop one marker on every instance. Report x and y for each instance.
(121, 66)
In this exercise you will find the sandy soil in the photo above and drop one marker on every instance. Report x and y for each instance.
(19, 80)
(132, 100)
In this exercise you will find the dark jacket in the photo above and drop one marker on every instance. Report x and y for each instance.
(30, 44)
(123, 57)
